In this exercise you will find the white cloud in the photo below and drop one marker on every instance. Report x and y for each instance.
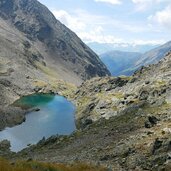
(162, 17)
(70, 21)
(102, 29)
(97, 35)
(88, 30)
(113, 2)
(142, 5)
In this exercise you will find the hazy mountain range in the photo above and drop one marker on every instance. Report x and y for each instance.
(118, 61)
(101, 48)
(126, 63)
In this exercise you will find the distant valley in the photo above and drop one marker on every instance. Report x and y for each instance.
(118, 61)
(126, 63)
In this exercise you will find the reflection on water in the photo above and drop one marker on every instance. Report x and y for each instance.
(56, 116)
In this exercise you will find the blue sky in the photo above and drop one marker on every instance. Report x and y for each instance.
(115, 21)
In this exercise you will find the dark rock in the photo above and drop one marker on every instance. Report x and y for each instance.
(147, 82)
(102, 105)
(37, 109)
(37, 89)
(91, 106)
(157, 144)
(153, 120)
(148, 124)
(77, 92)
(29, 159)
(121, 82)
(86, 122)
(97, 90)
(143, 95)
(42, 141)
(108, 89)
(133, 80)
(128, 151)
(169, 156)
(169, 146)
(12, 163)
(107, 157)
(27, 44)
(150, 133)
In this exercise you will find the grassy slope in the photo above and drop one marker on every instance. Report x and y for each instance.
(38, 166)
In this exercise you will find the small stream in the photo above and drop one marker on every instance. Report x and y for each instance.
(55, 115)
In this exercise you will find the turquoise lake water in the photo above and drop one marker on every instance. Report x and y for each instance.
(56, 116)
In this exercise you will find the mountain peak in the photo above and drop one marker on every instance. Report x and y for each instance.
(60, 47)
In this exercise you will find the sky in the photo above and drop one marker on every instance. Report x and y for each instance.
(115, 21)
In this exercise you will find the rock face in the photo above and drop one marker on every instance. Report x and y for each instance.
(56, 44)
(38, 53)
(122, 122)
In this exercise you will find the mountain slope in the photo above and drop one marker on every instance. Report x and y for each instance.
(154, 55)
(58, 45)
(124, 123)
(151, 57)
(118, 61)
(38, 54)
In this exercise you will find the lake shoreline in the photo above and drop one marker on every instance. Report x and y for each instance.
(45, 106)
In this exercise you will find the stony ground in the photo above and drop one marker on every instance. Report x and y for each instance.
(123, 123)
